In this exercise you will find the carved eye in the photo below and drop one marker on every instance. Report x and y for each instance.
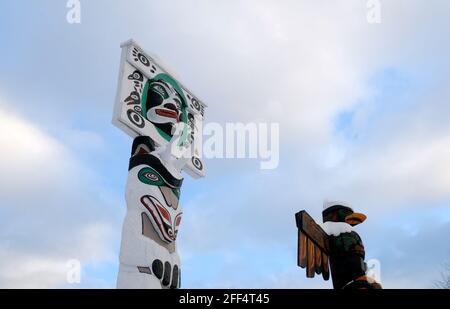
(160, 90)
(178, 103)
(151, 176)
(164, 213)
(178, 221)
(148, 176)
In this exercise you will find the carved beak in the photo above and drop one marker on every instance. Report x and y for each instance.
(355, 218)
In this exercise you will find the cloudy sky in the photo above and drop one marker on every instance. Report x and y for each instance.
(363, 110)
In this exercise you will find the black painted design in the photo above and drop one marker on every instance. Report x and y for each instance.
(144, 270)
(157, 268)
(144, 141)
(136, 75)
(197, 163)
(191, 120)
(133, 99)
(174, 284)
(167, 271)
(191, 123)
(136, 118)
(195, 104)
(156, 164)
(138, 56)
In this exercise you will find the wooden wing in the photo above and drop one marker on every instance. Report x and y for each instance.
(313, 246)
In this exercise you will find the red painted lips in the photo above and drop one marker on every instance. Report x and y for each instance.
(167, 113)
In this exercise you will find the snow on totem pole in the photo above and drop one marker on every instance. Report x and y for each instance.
(335, 245)
(165, 120)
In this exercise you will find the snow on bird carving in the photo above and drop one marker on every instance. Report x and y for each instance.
(334, 246)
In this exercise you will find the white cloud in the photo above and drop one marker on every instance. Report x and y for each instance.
(48, 266)
(49, 212)
(316, 63)
(300, 63)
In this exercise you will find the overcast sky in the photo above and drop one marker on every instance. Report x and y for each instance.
(363, 110)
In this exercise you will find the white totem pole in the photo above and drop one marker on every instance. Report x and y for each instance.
(165, 120)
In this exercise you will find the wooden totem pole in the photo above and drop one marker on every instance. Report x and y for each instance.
(334, 245)
(164, 119)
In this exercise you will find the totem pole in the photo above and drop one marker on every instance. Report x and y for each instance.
(165, 120)
(334, 245)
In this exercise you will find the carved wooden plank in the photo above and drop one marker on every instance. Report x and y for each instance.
(313, 231)
(318, 260)
(310, 258)
(325, 267)
(301, 249)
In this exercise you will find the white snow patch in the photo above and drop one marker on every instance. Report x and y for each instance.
(336, 228)
(330, 203)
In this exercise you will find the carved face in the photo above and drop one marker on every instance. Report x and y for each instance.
(152, 190)
(164, 104)
(161, 201)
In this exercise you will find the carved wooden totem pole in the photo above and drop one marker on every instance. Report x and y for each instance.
(165, 120)
(334, 246)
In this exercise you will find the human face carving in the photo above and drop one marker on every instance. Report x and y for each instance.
(161, 202)
(163, 103)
